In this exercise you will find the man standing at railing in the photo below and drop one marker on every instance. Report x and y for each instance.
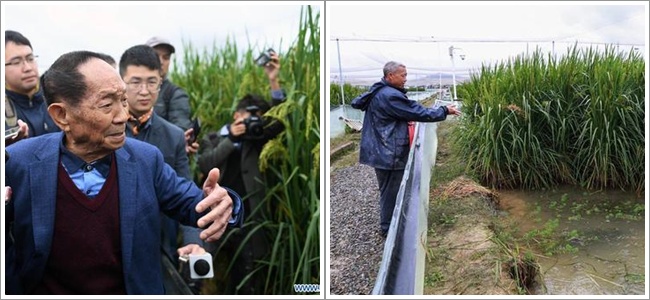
(385, 137)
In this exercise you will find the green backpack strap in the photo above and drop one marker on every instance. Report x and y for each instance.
(10, 113)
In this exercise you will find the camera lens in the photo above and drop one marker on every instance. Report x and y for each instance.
(202, 267)
(257, 130)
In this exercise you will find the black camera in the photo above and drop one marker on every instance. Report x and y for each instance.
(264, 57)
(254, 124)
(196, 125)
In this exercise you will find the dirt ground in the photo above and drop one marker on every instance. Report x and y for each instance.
(463, 257)
(466, 252)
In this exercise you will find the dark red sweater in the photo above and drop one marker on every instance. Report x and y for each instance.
(86, 254)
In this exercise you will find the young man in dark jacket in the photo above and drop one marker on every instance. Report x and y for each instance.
(385, 137)
(139, 66)
(24, 101)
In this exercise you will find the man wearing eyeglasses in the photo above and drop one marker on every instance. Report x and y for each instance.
(25, 106)
(140, 70)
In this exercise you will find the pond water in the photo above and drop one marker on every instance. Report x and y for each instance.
(600, 238)
(337, 127)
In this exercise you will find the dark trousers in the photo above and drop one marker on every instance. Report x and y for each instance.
(389, 181)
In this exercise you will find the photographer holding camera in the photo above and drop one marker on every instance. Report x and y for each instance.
(235, 150)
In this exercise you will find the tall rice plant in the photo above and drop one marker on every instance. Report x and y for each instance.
(215, 80)
(537, 121)
(610, 144)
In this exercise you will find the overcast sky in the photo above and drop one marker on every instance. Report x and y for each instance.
(55, 29)
(504, 28)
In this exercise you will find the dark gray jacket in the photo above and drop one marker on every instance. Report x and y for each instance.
(173, 105)
(384, 136)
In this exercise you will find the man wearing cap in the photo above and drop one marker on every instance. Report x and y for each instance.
(173, 103)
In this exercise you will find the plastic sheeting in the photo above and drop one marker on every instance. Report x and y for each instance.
(402, 267)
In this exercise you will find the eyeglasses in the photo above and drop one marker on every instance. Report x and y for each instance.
(135, 86)
(19, 61)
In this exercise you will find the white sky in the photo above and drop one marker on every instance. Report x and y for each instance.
(58, 28)
(461, 24)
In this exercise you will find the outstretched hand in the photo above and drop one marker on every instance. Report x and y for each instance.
(220, 205)
(452, 110)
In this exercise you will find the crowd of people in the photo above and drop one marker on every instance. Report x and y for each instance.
(98, 185)
(99, 191)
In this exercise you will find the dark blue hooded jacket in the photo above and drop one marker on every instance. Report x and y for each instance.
(33, 112)
(384, 137)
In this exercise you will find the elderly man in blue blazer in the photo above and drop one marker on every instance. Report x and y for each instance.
(84, 216)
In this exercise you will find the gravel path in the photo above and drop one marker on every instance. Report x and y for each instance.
(356, 245)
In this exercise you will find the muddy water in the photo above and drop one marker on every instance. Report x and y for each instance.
(600, 239)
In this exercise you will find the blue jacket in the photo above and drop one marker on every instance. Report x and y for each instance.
(384, 136)
(146, 186)
(33, 112)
